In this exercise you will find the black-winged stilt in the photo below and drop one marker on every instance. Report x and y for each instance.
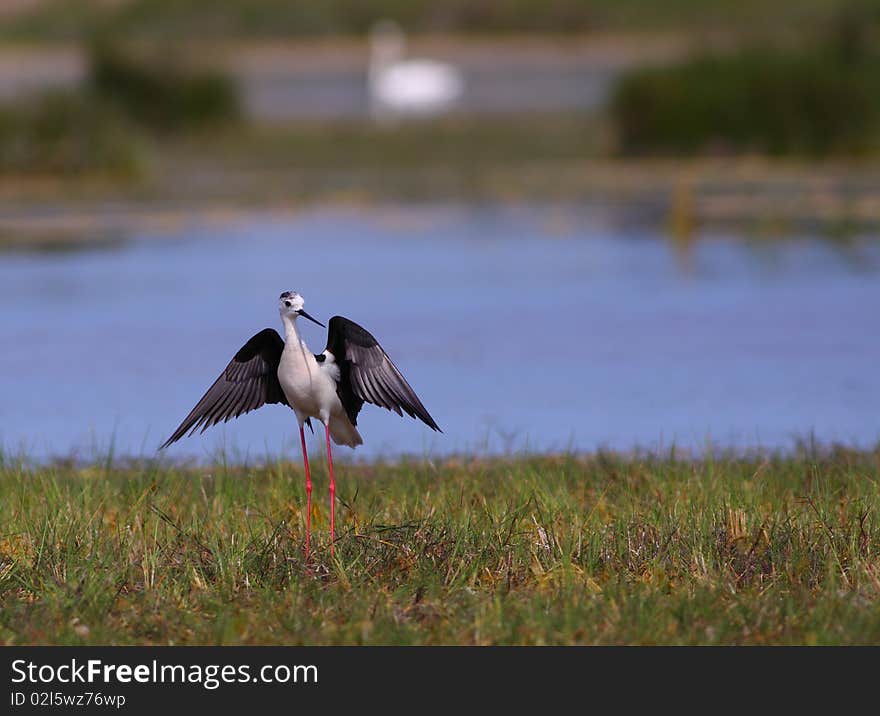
(331, 387)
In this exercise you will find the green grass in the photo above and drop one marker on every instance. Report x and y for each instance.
(532, 550)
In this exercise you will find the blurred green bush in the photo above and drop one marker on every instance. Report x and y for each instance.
(67, 133)
(769, 101)
(188, 19)
(157, 90)
(103, 126)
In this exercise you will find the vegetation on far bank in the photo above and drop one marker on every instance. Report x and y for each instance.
(818, 97)
(105, 125)
(533, 550)
(151, 123)
(185, 19)
(761, 102)
(159, 90)
(67, 133)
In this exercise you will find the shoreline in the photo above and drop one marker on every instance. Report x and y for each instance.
(682, 195)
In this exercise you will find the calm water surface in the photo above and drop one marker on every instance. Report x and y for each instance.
(539, 328)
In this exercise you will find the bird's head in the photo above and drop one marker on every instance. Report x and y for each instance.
(290, 304)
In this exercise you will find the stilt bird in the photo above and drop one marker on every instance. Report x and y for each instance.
(331, 386)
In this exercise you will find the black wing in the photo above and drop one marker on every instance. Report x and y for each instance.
(248, 382)
(368, 374)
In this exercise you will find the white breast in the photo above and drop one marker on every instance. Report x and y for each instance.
(310, 386)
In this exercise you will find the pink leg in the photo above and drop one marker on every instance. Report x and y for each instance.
(302, 439)
(332, 492)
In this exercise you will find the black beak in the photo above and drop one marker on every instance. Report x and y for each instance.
(302, 313)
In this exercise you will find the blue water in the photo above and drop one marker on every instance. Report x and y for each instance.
(541, 328)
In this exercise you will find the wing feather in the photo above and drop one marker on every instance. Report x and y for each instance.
(367, 374)
(247, 383)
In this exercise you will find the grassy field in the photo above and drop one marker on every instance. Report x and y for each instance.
(532, 550)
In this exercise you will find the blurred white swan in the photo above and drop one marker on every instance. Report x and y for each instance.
(400, 86)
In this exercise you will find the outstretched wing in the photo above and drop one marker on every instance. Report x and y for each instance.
(368, 374)
(248, 382)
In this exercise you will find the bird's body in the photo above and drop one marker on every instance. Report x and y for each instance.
(311, 387)
(331, 386)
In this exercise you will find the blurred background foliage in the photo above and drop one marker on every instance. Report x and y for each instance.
(68, 132)
(158, 89)
(103, 124)
(75, 19)
(795, 77)
(820, 96)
